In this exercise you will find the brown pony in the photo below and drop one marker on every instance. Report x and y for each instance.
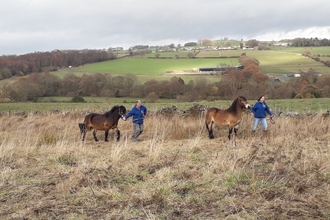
(104, 122)
(230, 117)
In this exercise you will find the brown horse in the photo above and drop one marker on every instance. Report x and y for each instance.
(230, 117)
(103, 122)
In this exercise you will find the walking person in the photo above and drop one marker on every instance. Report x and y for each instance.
(259, 111)
(138, 112)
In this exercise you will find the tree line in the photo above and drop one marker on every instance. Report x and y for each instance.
(38, 62)
(310, 42)
(233, 82)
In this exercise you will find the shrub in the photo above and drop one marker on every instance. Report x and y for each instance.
(152, 97)
(78, 99)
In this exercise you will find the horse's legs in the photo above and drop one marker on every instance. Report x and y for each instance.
(230, 132)
(118, 135)
(209, 129)
(235, 133)
(106, 134)
(84, 135)
(82, 130)
(94, 135)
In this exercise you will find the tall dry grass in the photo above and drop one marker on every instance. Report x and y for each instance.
(174, 172)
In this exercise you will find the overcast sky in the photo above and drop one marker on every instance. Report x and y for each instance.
(28, 26)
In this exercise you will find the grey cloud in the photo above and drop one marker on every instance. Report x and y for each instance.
(38, 25)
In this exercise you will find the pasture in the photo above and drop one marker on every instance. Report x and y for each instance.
(173, 55)
(175, 172)
(145, 69)
(276, 62)
(140, 65)
(323, 51)
(280, 60)
(319, 105)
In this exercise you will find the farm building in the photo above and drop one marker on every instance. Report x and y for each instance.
(218, 68)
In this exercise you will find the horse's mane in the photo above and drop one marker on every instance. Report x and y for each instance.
(233, 107)
(114, 108)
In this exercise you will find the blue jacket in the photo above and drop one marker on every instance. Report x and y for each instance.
(137, 114)
(259, 110)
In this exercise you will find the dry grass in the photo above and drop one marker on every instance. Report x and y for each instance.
(175, 172)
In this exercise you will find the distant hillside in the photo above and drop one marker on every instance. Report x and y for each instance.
(277, 61)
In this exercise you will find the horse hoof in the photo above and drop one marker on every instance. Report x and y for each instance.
(211, 137)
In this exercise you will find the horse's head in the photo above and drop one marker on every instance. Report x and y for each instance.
(243, 102)
(122, 111)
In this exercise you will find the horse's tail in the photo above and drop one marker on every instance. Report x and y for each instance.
(82, 128)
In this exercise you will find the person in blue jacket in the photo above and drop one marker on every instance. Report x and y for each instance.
(259, 111)
(138, 112)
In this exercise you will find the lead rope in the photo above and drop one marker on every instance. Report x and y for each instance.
(272, 121)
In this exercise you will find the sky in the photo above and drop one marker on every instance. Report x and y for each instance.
(28, 26)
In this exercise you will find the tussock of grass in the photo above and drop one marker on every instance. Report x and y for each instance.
(174, 172)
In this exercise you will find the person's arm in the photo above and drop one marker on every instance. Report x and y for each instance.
(129, 114)
(268, 111)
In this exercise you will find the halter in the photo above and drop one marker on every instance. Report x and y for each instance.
(119, 113)
(245, 103)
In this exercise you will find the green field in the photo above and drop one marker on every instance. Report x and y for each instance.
(278, 61)
(138, 65)
(300, 50)
(182, 54)
(97, 104)
(146, 69)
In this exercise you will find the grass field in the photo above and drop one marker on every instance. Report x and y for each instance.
(300, 50)
(280, 60)
(320, 105)
(169, 54)
(146, 69)
(138, 65)
(277, 61)
(174, 172)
